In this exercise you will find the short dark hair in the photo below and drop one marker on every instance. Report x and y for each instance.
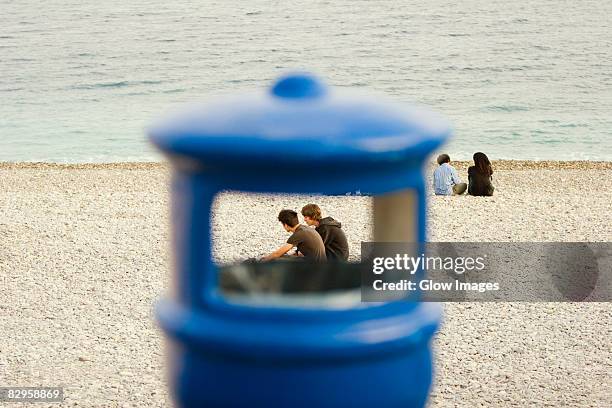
(443, 158)
(312, 211)
(288, 217)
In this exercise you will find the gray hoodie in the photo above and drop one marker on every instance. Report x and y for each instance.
(336, 245)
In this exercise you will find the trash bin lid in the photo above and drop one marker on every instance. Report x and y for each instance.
(300, 120)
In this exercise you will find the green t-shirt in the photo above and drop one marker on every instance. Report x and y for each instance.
(308, 242)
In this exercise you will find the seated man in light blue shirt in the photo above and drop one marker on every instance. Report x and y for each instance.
(445, 178)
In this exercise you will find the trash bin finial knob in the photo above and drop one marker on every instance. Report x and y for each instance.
(299, 86)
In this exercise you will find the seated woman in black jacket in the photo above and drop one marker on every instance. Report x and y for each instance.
(480, 176)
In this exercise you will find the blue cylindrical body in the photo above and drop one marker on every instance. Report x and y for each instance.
(231, 355)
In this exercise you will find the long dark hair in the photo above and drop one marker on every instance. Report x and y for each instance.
(482, 163)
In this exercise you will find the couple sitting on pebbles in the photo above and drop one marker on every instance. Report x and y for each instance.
(324, 242)
(447, 182)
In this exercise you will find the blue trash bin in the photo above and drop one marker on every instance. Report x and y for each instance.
(234, 354)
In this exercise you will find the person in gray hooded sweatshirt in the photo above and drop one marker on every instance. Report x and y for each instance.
(336, 245)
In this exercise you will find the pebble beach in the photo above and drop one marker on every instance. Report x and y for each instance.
(84, 254)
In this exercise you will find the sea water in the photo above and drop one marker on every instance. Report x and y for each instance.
(80, 80)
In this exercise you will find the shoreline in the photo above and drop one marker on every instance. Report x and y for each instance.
(503, 165)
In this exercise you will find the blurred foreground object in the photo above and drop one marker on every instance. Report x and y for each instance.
(253, 347)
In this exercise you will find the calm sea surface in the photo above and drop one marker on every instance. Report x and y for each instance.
(79, 80)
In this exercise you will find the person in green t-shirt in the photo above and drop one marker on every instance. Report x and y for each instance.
(307, 241)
